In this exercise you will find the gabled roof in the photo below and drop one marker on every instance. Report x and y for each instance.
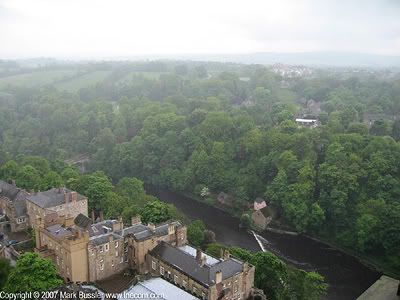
(16, 195)
(187, 263)
(51, 198)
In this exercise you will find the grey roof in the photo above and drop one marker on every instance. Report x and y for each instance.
(158, 286)
(58, 230)
(187, 264)
(82, 221)
(51, 198)
(16, 195)
(142, 232)
(102, 239)
(101, 228)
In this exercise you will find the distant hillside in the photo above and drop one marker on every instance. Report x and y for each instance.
(334, 59)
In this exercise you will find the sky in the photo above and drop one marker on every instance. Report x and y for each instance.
(127, 28)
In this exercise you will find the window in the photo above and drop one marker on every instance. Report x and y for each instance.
(184, 283)
(116, 244)
(101, 249)
(235, 288)
(153, 265)
(162, 270)
(107, 247)
(194, 290)
(116, 253)
(122, 260)
(21, 220)
(101, 267)
(175, 278)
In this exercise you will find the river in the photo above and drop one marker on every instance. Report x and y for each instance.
(346, 276)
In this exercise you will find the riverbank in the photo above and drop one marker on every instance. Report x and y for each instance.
(374, 263)
(346, 276)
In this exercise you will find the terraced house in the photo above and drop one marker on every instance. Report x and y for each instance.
(201, 274)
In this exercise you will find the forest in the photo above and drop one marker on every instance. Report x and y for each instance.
(191, 126)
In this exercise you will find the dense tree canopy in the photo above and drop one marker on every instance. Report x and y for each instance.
(221, 127)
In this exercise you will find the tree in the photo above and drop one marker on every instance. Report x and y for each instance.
(132, 189)
(5, 269)
(155, 212)
(50, 180)
(245, 221)
(195, 233)
(9, 170)
(28, 178)
(32, 273)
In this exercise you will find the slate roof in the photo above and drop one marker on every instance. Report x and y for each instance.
(187, 264)
(101, 228)
(142, 232)
(16, 195)
(51, 198)
(82, 221)
(58, 230)
(102, 239)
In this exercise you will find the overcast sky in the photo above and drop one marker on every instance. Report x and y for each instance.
(122, 28)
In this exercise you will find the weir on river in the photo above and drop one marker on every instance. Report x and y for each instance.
(346, 276)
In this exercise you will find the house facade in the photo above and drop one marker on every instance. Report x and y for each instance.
(202, 275)
(64, 202)
(13, 205)
(86, 252)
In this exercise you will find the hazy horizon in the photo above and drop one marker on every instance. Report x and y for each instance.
(111, 29)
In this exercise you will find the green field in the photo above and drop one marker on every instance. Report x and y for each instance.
(149, 75)
(85, 80)
(35, 79)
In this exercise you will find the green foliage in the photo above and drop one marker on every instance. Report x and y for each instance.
(5, 269)
(195, 233)
(155, 212)
(279, 281)
(32, 273)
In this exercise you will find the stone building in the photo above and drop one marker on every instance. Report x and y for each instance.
(66, 203)
(202, 275)
(13, 205)
(86, 252)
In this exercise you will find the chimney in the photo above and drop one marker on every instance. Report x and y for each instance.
(245, 267)
(110, 238)
(171, 229)
(151, 226)
(93, 218)
(226, 254)
(74, 196)
(101, 216)
(66, 197)
(198, 256)
(203, 261)
(218, 277)
(136, 220)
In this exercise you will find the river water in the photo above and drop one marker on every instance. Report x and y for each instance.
(346, 276)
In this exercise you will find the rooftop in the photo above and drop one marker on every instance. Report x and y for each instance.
(142, 232)
(16, 195)
(187, 263)
(51, 198)
(157, 286)
(385, 288)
